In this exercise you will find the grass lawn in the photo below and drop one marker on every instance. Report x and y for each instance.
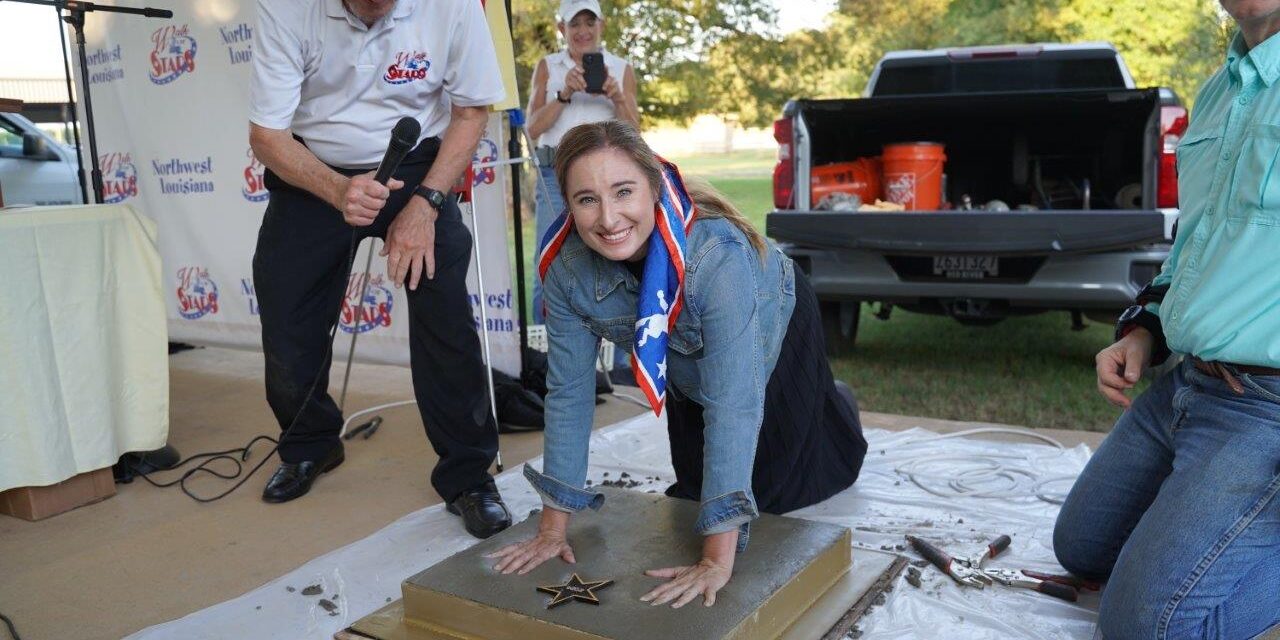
(1031, 371)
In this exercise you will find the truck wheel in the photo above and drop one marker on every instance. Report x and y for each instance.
(839, 324)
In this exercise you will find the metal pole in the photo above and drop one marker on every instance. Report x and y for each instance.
(513, 151)
(484, 323)
(75, 18)
(75, 124)
(364, 290)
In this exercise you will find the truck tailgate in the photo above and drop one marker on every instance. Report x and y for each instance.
(970, 232)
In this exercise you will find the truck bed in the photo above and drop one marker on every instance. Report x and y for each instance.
(1024, 148)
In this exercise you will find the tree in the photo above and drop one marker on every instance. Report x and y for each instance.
(660, 38)
(1172, 43)
(726, 58)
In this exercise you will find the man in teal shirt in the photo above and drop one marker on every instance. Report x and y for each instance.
(1179, 508)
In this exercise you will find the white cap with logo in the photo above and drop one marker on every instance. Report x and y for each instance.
(571, 8)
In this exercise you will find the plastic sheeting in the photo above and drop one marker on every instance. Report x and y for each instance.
(881, 508)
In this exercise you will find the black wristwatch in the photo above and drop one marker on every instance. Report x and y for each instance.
(1138, 316)
(561, 100)
(434, 197)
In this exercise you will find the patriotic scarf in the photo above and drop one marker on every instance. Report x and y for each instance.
(661, 287)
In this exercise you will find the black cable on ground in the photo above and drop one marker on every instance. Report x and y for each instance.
(13, 631)
(244, 451)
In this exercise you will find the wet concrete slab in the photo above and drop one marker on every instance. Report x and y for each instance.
(789, 566)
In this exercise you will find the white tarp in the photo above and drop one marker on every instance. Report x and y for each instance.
(170, 102)
(880, 508)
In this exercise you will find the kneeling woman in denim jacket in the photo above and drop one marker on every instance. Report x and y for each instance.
(721, 327)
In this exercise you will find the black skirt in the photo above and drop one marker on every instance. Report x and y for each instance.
(811, 445)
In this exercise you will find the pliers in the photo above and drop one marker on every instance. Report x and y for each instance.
(968, 571)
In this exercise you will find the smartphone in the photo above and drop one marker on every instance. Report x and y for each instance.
(593, 71)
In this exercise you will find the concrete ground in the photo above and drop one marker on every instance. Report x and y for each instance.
(150, 555)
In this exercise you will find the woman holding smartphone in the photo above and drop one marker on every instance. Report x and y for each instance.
(561, 99)
(728, 337)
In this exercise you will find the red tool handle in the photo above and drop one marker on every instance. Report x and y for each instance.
(937, 556)
(998, 545)
(1056, 590)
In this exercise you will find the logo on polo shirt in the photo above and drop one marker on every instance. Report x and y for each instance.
(407, 68)
(255, 187)
(174, 54)
(119, 177)
(365, 308)
(197, 293)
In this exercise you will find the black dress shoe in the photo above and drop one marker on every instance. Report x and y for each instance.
(482, 510)
(293, 479)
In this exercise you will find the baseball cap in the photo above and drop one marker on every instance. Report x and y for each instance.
(571, 8)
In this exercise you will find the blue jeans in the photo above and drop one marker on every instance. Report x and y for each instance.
(549, 205)
(1179, 509)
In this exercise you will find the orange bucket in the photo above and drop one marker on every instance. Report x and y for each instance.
(860, 177)
(913, 174)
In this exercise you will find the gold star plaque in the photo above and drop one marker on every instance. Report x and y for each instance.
(574, 589)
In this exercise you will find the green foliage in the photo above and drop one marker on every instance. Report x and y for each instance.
(698, 56)
(1173, 43)
(663, 39)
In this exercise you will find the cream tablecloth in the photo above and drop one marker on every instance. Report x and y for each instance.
(84, 373)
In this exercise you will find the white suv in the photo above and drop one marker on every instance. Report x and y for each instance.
(35, 168)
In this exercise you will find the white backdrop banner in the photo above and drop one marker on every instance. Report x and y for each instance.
(170, 101)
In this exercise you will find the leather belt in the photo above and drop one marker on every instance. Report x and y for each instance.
(1227, 372)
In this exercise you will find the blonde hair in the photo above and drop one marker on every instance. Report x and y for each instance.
(616, 134)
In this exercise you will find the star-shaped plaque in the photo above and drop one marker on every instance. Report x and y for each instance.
(574, 589)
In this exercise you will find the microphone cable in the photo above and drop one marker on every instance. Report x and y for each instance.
(404, 135)
(230, 454)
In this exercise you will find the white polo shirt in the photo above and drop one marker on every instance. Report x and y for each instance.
(341, 86)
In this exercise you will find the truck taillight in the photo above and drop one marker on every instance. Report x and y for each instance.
(784, 172)
(1173, 123)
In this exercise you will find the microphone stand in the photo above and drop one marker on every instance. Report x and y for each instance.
(74, 16)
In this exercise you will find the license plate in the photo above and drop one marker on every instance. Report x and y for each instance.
(966, 267)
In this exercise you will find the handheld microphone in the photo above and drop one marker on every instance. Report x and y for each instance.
(404, 136)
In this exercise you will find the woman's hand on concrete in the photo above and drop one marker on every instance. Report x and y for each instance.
(687, 583)
(551, 541)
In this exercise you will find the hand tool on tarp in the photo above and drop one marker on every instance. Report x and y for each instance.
(968, 570)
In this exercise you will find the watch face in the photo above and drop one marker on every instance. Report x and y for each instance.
(433, 197)
(1130, 313)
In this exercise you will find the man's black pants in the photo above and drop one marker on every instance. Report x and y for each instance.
(300, 272)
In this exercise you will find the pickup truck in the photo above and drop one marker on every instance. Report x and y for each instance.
(34, 168)
(1076, 164)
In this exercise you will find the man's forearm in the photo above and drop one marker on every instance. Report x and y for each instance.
(295, 164)
(457, 147)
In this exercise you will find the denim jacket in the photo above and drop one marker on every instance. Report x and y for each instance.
(720, 355)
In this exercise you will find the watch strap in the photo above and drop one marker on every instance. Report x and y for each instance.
(434, 197)
(1138, 316)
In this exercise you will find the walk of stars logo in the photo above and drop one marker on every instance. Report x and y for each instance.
(574, 589)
